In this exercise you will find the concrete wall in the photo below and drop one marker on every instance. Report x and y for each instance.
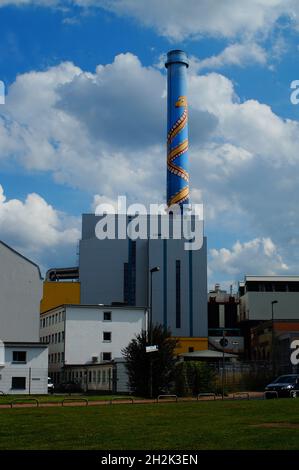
(257, 305)
(102, 276)
(20, 296)
(35, 370)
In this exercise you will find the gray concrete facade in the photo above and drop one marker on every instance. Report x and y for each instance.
(118, 271)
(20, 296)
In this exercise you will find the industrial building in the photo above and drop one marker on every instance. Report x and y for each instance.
(89, 338)
(265, 298)
(258, 292)
(223, 320)
(23, 359)
(118, 271)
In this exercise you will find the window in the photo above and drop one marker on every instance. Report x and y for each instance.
(94, 376)
(58, 337)
(106, 356)
(58, 357)
(178, 293)
(62, 334)
(89, 376)
(107, 336)
(104, 377)
(18, 383)
(62, 357)
(19, 356)
(107, 316)
(56, 317)
(99, 376)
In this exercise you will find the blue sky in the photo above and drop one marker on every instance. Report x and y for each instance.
(85, 120)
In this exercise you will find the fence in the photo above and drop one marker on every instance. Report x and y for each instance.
(248, 376)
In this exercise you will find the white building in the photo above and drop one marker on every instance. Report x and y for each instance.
(23, 360)
(23, 368)
(21, 290)
(86, 339)
(258, 292)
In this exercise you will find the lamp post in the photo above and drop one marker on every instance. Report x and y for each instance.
(150, 339)
(272, 334)
(223, 344)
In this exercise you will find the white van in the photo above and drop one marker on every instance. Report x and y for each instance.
(50, 385)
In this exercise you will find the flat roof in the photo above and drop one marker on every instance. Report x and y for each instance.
(208, 353)
(251, 278)
(99, 306)
(20, 344)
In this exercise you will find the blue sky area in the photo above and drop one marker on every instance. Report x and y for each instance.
(85, 120)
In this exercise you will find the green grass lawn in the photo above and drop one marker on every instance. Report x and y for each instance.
(256, 424)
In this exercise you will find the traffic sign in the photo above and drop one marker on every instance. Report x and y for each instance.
(223, 342)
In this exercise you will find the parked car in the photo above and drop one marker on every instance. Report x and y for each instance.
(285, 386)
(50, 385)
(69, 387)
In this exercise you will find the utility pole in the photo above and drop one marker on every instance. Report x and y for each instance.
(152, 271)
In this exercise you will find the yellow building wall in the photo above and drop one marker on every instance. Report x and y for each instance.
(199, 344)
(59, 293)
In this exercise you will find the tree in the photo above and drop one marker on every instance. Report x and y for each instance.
(138, 362)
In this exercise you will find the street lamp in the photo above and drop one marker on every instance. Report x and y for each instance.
(272, 334)
(152, 271)
(223, 343)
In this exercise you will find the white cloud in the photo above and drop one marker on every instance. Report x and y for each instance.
(178, 20)
(103, 132)
(36, 229)
(257, 256)
(234, 54)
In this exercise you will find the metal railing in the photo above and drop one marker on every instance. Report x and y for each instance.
(161, 397)
(24, 401)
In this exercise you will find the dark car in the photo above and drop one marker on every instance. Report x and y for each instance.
(285, 386)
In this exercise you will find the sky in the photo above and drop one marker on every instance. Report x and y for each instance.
(84, 121)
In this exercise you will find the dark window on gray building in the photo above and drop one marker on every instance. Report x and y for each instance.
(106, 356)
(18, 383)
(19, 356)
(107, 336)
(107, 316)
(178, 293)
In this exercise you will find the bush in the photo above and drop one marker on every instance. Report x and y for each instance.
(193, 377)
